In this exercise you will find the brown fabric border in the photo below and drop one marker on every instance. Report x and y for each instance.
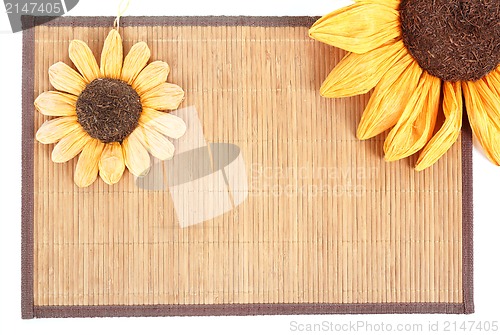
(107, 21)
(27, 206)
(244, 309)
(27, 303)
(467, 219)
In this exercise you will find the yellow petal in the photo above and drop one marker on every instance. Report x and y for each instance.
(70, 145)
(357, 74)
(165, 123)
(483, 109)
(135, 61)
(151, 76)
(53, 103)
(157, 144)
(112, 163)
(449, 132)
(65, 79)
(112, 55)
(162, 97)
(359, 28)
(53, 130)
(394, 4)
(88, 163)
(389, 99)
(493, 80)
(84, 60)
(416, 125)
(135, 154)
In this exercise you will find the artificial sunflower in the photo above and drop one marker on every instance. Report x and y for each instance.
(422, 57)
(111, 115)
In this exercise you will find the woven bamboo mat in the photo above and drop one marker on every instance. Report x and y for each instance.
(303, 218)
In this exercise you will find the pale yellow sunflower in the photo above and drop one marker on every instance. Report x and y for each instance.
(422, 57)
(111, 115)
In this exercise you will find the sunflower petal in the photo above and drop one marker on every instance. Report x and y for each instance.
(157, 144)
(449, 132)
(162, 97)
(358, 28)
(484, 117)
(493, 80)
(70, 145)
(135, 61)
(165, 123)
(53, 103)
(358, 74)
(151, 76)
(112, 55)
(87, 167)
(84, 60)
(65, 79)
(389, 99)
(394, 4)
(112, 163)
(416, 125)
(135, 154)
(53, 130)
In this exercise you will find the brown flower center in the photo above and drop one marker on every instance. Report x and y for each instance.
(455, 40)
(108, 109)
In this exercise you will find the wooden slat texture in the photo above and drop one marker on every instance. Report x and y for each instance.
(327, 220)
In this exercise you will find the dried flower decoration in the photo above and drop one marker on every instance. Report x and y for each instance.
(111, 114)
(421, 56)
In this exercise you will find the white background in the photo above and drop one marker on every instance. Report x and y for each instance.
(486, 200)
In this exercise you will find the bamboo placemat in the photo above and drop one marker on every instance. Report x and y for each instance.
(323, 224)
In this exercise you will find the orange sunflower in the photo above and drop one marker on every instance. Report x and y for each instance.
(111, 115)
(422, 57)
